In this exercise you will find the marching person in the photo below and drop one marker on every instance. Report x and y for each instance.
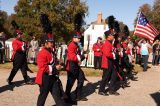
(97, 53)
(47, 76)
(109, 72)
(74, 71)
(19, 59)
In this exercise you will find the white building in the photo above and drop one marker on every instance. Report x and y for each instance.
(95, 30)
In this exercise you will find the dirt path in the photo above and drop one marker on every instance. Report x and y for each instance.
(144, 92)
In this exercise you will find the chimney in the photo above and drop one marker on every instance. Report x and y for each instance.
(99, 20)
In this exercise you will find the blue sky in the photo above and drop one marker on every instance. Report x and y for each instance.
(123, 10)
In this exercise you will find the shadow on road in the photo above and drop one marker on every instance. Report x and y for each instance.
(156, 97)
(15, 84)
(88, 89)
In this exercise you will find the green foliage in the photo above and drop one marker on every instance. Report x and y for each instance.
(61, 13)
(3, 17)
(126, 30)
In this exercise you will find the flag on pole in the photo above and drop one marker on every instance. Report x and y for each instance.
(145, 29)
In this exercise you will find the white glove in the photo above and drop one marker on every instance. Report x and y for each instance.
(121, 54)
(114, 56)
(79, 58)
(98, 49)
(23, 47)
(50, 69)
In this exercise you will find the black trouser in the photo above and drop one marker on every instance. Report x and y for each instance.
(138, 59)
(97, 62)
(157, 59)
(2, 56)
(145, 62)
(74, 73)
(19, 62)
(50, 84)
(109, 74)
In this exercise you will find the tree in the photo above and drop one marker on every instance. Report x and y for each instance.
(126, 31)
(156, 14)
(61, 13)
(3, 17)
(152, 13)
(145, 9)
(3, 23)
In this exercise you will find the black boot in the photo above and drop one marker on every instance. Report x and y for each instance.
(114, 93)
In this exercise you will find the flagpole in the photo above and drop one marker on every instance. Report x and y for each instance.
(137, 22)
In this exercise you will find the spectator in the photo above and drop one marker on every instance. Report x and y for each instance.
(144, 52)
(97, 53)
(157, 57)
(138, 55)
(154, 52)
(33, 49)
(2, 48)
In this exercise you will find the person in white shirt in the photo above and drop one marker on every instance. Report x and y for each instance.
(145, 46)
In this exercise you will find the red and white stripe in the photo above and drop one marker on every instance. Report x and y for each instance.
(147, 31)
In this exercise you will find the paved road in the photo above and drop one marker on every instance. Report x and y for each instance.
(144, 92)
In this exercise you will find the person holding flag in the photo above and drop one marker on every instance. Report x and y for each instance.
(145, 46)
(146, 30)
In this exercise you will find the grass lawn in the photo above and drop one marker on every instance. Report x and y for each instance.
(87, 71)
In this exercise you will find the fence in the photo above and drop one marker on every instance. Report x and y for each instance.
(60, 55)
(8, 53)
(90, 60)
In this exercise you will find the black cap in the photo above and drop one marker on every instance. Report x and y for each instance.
(17, 33)
(99, 38)
(45, 39)
(109, 33)
(77, 35)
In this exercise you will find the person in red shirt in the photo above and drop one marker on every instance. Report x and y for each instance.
(97, 53)
(109, 72)
(47, 77)
(74, 72)
(19, 59)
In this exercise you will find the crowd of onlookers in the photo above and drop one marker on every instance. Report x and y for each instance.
(138, 50)
(143, 49)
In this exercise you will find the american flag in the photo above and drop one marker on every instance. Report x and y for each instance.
(145, 29)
